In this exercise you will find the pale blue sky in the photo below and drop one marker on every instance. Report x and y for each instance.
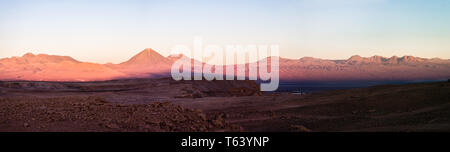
(114, 30)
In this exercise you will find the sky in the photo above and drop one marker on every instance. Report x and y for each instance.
(113, 31)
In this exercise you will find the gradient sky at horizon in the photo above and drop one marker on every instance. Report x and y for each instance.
(114, 30)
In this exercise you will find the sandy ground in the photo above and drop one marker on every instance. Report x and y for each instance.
(165, 105)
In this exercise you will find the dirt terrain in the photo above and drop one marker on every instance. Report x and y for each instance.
(165, 105)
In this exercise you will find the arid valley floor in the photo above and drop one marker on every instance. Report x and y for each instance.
(160, 105)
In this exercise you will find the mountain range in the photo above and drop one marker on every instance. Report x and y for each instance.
(151, 64)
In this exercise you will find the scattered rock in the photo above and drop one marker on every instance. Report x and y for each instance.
(218, 123)
(353, 97)
(192, 95)
(82, 114)
(236, 127)
(113, 126)
(272, 114)
(299, 128)
(26, 125)
(101, 100)
(202, 116)
(121, 105)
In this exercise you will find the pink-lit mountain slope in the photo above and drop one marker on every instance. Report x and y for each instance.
(54, 68)
(150, 63)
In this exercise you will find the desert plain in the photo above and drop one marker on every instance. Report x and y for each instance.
(165, 105)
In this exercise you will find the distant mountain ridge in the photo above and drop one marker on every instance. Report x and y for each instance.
(375, 68)
(44, 67)
(149, 63)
